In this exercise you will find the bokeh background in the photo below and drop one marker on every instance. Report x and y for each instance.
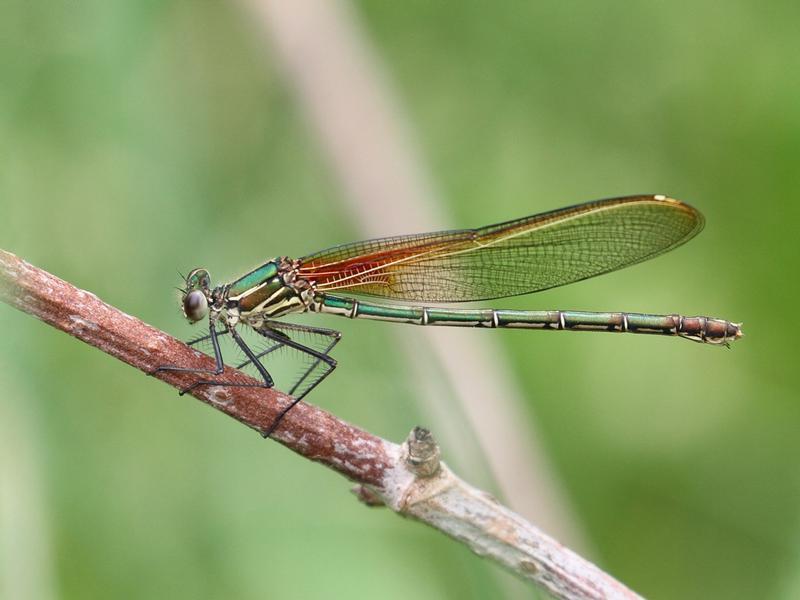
(142, 138)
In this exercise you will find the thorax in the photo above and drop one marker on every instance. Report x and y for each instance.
(270, 291)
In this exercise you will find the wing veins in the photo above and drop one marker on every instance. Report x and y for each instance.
(635, 238)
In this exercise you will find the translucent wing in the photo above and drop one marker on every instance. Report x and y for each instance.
(517, 257)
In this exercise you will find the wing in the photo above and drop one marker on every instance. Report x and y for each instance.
(517, 257)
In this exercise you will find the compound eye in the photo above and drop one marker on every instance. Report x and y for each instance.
(195, 305)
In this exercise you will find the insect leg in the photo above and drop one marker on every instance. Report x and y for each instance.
(268, 383)
(219, 367)
(320, 357)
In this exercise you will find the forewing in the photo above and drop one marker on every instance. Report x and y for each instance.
(516, 257)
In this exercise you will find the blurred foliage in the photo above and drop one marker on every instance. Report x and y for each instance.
(141, 138)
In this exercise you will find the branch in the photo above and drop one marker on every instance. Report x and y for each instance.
(410, 479)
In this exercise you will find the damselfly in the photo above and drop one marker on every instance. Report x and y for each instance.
(517, 257)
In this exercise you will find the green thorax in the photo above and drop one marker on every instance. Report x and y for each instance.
(271, 290)
(264, 274)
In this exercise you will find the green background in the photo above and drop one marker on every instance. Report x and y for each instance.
(139, 138)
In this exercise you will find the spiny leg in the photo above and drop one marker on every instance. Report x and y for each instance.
(278, 329)
(260, 355)
(282, 338)
(268, 382)
(335, 337)
(220, 365)
(204, 338)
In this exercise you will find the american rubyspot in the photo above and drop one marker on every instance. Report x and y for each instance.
(517, 257)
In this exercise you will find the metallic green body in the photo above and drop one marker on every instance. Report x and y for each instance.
(253, 279)
(266, 292)
(699, 329)
(273, 290)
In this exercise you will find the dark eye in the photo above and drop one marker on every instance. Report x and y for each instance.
(195, 305)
